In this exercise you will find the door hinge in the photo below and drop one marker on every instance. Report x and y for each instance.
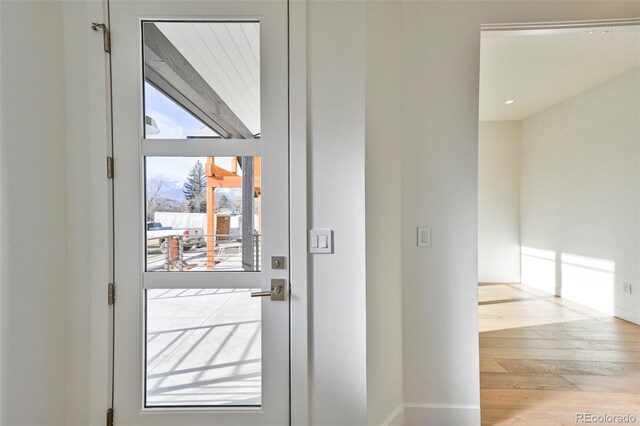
(106, 35)
(109, 167)
(111, 293)
(110, 417)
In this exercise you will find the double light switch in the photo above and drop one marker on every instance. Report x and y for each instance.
(321, 241)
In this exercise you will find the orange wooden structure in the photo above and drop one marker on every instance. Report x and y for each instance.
(218, 177)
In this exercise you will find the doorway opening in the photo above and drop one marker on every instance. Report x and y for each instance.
(559, 222)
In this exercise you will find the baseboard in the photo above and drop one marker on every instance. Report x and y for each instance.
(396, 418)
(555, 291)
(627, 314)
(618, 311)
(499, 280)
(413, 414)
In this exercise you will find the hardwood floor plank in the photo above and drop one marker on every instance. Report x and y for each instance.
(511, 332)
(560, 354)
(524, 381)
(488, 365)
(593, 325)
(591, 383)
(566, 399)
(571, 367)
(503, 342)
(621, 346)
(588, 335)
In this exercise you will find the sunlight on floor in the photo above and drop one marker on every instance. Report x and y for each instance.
(512, 305)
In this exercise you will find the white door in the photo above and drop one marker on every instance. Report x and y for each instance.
(201, 203)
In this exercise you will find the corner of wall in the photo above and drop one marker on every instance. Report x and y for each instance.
(383, 187)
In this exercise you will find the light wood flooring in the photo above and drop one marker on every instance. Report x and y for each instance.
(544, 359)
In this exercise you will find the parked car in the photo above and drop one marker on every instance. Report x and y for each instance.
(158, 237)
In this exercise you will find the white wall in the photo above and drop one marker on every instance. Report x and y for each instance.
(439, 164)
(34, 214)
(383, 212)
(336, 105)
(581, 197)
(499, 201)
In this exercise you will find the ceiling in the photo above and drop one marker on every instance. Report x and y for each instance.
(227, 57)
(538, 69)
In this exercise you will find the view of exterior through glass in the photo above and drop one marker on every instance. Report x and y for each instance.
(197, 216)
(202, 213)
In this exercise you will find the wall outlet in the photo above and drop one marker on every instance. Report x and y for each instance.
(627, 288)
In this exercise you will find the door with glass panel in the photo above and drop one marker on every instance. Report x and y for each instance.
(200, 128)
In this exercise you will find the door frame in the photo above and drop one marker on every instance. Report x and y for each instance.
(102, 205)
(299, 301)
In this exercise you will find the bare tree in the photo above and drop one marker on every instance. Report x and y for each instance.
(157, 203)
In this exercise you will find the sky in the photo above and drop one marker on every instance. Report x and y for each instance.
(173, 123)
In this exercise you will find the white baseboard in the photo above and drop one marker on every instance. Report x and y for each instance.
(627, 314)
(618, 311)
(499, 279)
(412, 414)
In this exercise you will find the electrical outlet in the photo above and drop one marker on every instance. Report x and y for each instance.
(627, 288)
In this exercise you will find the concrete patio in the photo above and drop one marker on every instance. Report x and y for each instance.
(203, 348)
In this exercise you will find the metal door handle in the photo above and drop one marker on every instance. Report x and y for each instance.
(275, 290)
(276, 293)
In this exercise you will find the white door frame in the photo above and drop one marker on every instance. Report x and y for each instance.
(299, 302)
(98, 66)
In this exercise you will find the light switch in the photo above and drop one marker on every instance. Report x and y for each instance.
(424, 236)
(321, 241)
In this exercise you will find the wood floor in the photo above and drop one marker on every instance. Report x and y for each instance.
(544, 359)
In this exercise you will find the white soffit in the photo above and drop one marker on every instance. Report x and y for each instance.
(227, 56)
(540, 68)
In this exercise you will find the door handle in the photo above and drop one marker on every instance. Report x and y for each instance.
(276, 293)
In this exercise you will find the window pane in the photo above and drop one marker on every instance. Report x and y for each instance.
(166, 119)
(201, 216)
(203, 348)
(202, 79)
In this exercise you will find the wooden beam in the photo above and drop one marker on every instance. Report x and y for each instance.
(169, 71)
(231, 182)
(217, 171)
